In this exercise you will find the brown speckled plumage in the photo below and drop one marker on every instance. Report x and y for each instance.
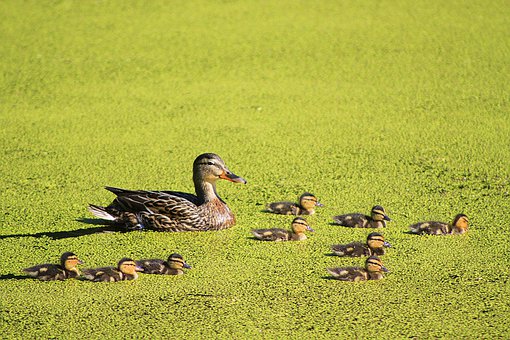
(172, 210)
(459, 225)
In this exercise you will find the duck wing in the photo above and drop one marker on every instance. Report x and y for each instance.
(161, 210)
(354, 249)
(274, 234)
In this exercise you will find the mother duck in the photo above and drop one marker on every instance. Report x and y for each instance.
(173, 210)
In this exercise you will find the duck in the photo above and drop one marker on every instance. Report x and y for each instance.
(126, 270)
(51, 272)
(174, 210)
(298, 226)
(306, 206)
(377, 219)
(173, 266)
(372, 271)
(459, 226)
(375, 246)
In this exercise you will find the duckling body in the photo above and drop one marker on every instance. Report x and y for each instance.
(460, 225)
(372, 271)
(306, 206)
(173, 266)
(375, 246)
(173, 210)
(125, 270)
(52, 272)
(377, 219)
(299, 225)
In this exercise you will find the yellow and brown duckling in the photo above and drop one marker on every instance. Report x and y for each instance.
(459, 225)
(299, 225)
(377, 219)
(173, 210)
(375, 246)
(373, 271)
(306, 206)
(125, 270)
(173, 266)
(50, 272)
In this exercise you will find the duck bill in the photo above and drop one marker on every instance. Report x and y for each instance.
(319, 204)
(309, 228)
(387, 218)
(384, 269)
(231, 177)
(187, 266)
(139, 269)
(80, 262)
(387, 244)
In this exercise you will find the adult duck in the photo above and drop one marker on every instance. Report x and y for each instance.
(174, 210)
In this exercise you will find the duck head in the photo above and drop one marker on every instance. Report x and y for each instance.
(378, 214)
(308, 201)
(376, 241)
(69, 261)
(461, 223)
(299, 225)
(128, 266)
(209, 167)
(374, 265)
(177, 262)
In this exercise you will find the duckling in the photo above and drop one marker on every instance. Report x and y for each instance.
(299, 225)
(306, 206)
(51, 272)
(173, 266)
(372, 271)
(126, 270)
(175, 210)
(459, 226)
(377, 219)
(375, 246)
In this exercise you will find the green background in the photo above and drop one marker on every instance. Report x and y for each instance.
(398, 103)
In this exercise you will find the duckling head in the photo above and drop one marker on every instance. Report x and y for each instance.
(309, 201)
(177, 262)
(209, 167)
(299, 225)
(129, 267)
(376, 241)
(378, 214)
(461, 222)
(374, 265)
(69, 261)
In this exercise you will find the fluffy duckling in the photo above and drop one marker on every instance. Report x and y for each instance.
(126, 270)
(306, 206)
(375, 246)
(173, 266)
(377, 219)
(299, 225)
(51, 272)
(459, 225)
(372, 271)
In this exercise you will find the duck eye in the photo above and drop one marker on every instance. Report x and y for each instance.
(210, 163)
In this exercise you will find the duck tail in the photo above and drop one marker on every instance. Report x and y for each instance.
(101, 212)
(415, 229)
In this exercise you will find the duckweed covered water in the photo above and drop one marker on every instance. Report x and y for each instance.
(393, 103)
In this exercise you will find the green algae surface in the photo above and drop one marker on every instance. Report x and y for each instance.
(398, 103)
